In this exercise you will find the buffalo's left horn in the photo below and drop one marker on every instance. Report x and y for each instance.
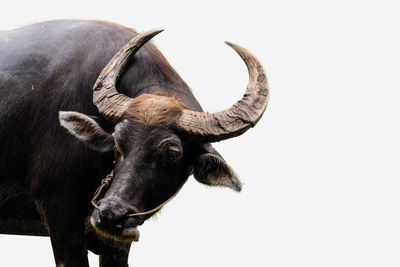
(213, 127)
(108, 101)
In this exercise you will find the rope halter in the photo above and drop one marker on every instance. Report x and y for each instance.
(105, 183)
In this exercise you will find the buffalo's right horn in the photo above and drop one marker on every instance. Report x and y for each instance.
(108, 101)
(213, 127)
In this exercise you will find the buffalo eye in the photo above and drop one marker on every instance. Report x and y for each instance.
(172, 154)
(169, 150)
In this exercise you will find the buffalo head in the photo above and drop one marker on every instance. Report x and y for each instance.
(159, 141)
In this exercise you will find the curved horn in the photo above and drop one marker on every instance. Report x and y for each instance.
(214, 127)
(108, 101)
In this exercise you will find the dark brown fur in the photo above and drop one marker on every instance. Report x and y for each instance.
(152, 110)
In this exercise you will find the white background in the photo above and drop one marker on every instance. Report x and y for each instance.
(321, 169)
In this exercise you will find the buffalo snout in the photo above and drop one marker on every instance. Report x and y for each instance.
(111, 212)
(111, 218)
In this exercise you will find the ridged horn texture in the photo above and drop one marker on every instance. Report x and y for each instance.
(214, 127)
(108, 101)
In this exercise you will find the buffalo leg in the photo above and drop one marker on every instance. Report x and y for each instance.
(66, 230)
(117, 257)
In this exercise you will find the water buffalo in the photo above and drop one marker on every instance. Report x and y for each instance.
(64, 126)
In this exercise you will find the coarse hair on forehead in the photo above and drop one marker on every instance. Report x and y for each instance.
(154, 110)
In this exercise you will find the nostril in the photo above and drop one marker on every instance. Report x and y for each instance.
(111, 211)
(106, 213)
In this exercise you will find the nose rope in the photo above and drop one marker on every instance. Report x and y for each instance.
(106, 183)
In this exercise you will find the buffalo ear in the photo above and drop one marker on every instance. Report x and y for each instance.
(86, 130)
(210, 168)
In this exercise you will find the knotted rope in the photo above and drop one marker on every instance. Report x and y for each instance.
(106, 183)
